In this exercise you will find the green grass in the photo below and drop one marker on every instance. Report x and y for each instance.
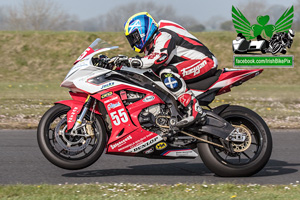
(138, 191)
(33, 64)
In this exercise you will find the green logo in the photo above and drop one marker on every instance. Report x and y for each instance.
(242, 25)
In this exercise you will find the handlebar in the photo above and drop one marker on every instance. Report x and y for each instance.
(110, 63)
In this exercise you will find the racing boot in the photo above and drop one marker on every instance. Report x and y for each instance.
(195, 113)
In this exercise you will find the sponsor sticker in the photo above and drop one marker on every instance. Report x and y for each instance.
(113, 105)
(108, 94)
(161, 146)
(145, 144)
(148, 98)
(183, 153)
(136, 142)
(111, 99)
(107, 85)
(168, 75)
(73, 114)
(149, 151)
(121, 143)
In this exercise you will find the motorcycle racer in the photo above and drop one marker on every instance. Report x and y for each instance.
(173, 53)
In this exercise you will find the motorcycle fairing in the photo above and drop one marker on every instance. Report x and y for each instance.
(119, 117)
(186, 153)
(124, 120)
(230, 78)
(75, 107)
(146, 144)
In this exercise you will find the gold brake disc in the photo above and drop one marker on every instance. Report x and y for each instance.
(242, 146)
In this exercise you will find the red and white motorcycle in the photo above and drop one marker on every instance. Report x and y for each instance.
(130, 112)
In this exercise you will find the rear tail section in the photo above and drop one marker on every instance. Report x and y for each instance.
(234, 77)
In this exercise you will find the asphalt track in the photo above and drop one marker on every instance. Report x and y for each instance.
(21, 161)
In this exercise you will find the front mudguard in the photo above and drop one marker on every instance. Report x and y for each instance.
(75, 109)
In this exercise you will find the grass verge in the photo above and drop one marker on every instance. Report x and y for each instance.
(137, 191)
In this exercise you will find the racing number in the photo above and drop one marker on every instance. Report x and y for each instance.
(117, 116)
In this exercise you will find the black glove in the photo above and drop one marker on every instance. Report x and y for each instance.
(101, 61)
(117, 61)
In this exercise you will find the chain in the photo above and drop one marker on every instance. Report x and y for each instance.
(198, 138)
(203, 140)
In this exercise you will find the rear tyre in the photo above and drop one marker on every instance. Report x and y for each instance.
(64, 150)
(250, 156)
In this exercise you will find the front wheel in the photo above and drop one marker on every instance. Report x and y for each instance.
(250, 156)
(67, 151)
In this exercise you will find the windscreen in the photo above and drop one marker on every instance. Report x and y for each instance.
(96, 45)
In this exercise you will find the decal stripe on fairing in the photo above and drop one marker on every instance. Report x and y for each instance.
(227, 82)
(176, 153)
(145, 145)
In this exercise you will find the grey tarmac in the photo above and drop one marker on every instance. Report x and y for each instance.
(21, 162)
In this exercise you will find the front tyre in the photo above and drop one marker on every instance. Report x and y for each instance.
(67, 151)
(250, 156)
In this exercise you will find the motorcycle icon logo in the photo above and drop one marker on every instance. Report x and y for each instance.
(269, 38)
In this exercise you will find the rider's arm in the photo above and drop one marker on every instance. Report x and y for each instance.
(163, 45)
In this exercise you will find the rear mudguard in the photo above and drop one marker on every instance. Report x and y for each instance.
(218, 110)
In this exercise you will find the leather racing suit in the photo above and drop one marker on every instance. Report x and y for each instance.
(178, 57)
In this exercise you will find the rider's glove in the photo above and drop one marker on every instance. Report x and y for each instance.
(136, 62)
(118, 61)
(100, 61)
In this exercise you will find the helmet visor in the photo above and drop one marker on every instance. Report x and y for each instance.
(134, 38)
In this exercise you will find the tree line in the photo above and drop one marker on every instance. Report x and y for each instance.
(47, 15)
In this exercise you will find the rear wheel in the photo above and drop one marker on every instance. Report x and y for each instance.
(250, 156)
(67, 151)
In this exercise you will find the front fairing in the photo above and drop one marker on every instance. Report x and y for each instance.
(77, 80)
(83, 69)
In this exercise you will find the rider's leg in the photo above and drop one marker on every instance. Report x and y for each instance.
(174, 78)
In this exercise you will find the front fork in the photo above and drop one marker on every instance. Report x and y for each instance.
(86, 107)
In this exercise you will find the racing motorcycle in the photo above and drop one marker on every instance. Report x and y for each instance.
(130, 112)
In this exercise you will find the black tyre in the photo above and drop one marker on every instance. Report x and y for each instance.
(250, 156)
(64, 150)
